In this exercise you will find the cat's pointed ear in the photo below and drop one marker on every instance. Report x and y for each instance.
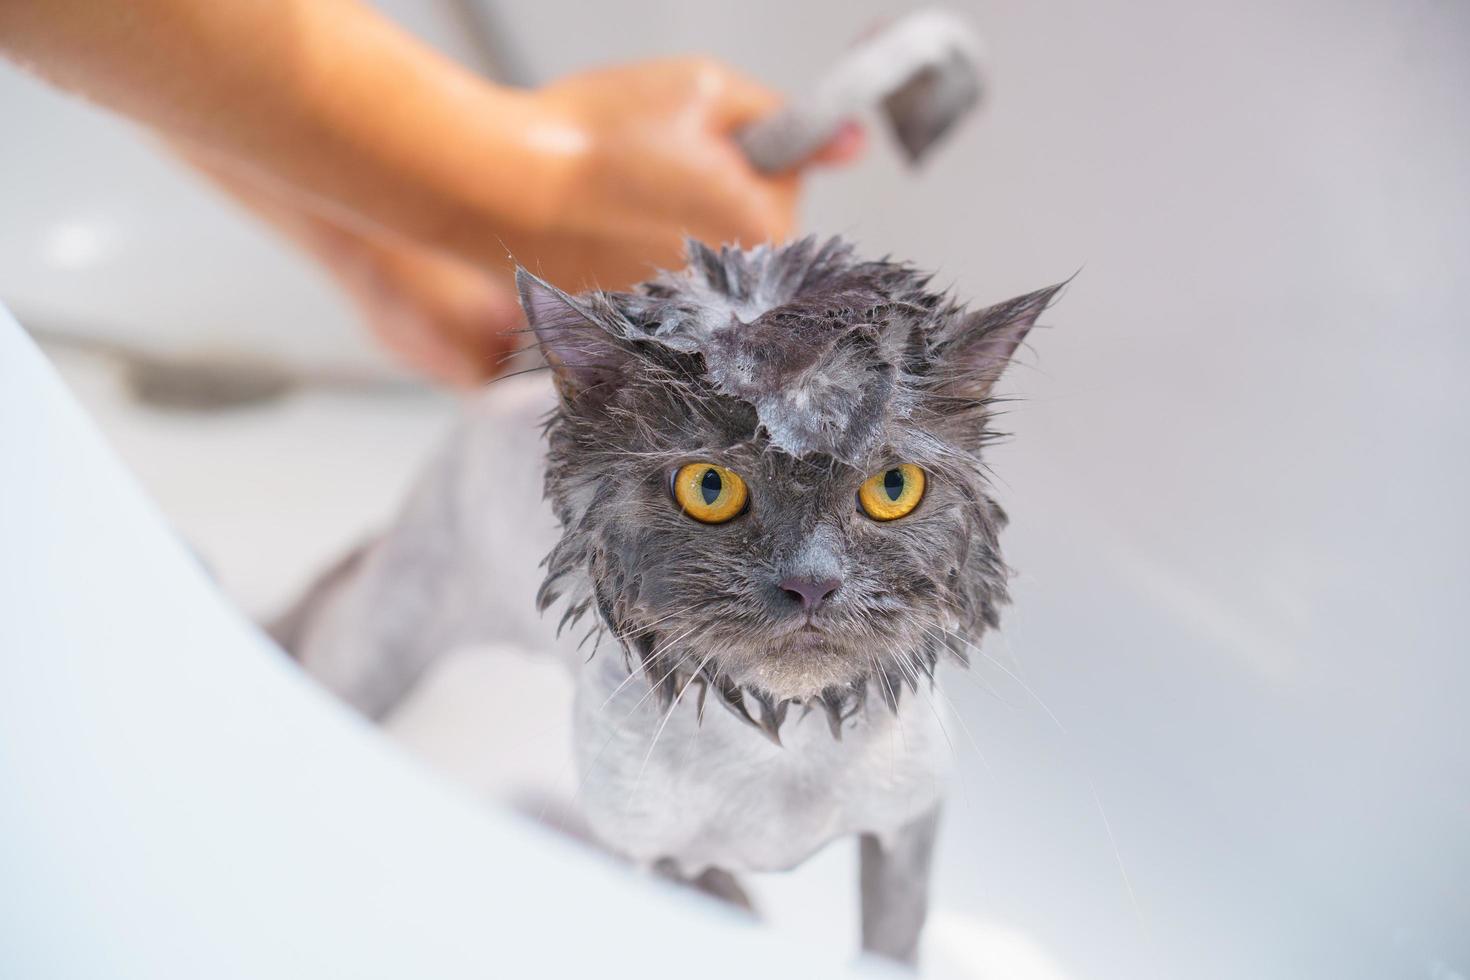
(979, 345)
(584, 358)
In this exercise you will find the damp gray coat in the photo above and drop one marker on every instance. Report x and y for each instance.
(732, 715)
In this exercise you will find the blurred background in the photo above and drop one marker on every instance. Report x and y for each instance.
(1224, 731)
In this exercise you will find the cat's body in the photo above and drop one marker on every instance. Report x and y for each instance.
(812, 607)
(711, 797)
(714, 793)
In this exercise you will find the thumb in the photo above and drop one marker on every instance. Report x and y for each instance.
(845, 146)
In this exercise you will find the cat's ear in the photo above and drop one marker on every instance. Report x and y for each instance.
(584, 358)
(979, 345)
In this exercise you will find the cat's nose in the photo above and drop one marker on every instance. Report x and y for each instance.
(810, 592)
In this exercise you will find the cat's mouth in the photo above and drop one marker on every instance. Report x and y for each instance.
(807, 632)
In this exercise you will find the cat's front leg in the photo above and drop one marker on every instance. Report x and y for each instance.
(371, 626)
(437, 578)
(895, 887)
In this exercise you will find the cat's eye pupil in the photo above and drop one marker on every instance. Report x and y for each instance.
(893, 484)
(710, 486)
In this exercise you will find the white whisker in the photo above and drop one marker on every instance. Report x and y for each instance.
(1013, 676)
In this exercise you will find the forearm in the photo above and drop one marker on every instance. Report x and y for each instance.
(322, 95)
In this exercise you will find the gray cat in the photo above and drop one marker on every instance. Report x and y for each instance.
(767, 478)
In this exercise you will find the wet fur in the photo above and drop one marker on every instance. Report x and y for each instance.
(806, 370)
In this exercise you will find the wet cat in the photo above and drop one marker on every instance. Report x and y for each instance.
(766, 474)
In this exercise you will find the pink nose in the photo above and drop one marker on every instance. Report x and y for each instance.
(810, 592)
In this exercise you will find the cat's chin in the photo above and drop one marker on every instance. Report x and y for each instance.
(798, 667)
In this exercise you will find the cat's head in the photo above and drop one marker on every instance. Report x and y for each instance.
(768, 472)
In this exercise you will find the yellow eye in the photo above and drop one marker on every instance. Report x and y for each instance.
(708, 493)
(889, 495)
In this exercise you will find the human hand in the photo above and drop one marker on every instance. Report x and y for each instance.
(650, 159)
(632, 160)
(643, 156)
